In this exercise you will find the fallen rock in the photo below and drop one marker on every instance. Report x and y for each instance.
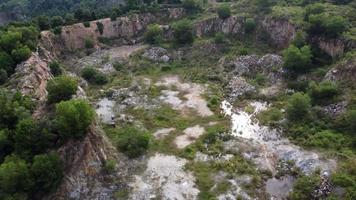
(157, 54)
(238, 87)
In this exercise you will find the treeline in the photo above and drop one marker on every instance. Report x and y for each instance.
(30, 166)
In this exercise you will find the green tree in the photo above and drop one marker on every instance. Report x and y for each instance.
(298, 107)
(15, 107)
(132, 141)
(30, 139)
(43, 22)
(224, 11)
(57, 21)
(297, 60)
(15, 175)
(153, 34)
(47, 171)
(21, 53)
(183, 32)
(9, 40)
(73, 118)
(61, 88)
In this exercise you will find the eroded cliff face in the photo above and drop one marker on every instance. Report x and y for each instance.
(31, 76)
(127, 28)
(210, 26)
(85, 177)
(281, 31)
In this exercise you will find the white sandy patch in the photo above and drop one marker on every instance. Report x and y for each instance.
(193, 99)
(164, 178)
(190, 135)
(161, 133)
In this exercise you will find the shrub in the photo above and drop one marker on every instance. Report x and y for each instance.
(219, 38)
(183, 32)
(14, 175)
(304, 187)
(153, 34)
(191, 5)
(3, 76)
(57, 30)
(299, 39)
(214, 102)
(73, 118)
(298, 107)
(250, 25)
(109, 166)
(56, 21)
(47, 171)
(86, 24)
(297, 60)
(329, 26)
(100, 27)
(327, 140)
(6, 62)
(30, 139)
(270, 117)
(88, 43)
(323, 92)
(132, 142)
(351, 120)
(224, 11)
(94, 76)
(61, 88)
(55, 68)
(21, 53)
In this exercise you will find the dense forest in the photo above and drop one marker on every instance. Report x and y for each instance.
(31, 167)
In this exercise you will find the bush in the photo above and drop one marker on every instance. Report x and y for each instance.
(94, 76)
(56, 21)
(304, 187)
(250, 25)
(100, 27)
(109, 166)
(73, 118)
(6, 62)
(326, 25)
(57, 30)
(14, 175)
(30, 139)
(297, 60)
(298, 107)
(88, 43)
(219, 38)
(55, 68)
(224, 11)
(191, 5)
(86, 24)
(183, 32)
(270, 117)
(61, 88)
(132, 141)
(323, 92)
(153, 34)
(327, 140)
(21, 53)
(351, 120)
(3, 76)
(47, 172)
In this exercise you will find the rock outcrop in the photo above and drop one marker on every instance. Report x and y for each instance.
(210, 26)
(31, 76)
(83, 164)
(281, 31)
(127, 28)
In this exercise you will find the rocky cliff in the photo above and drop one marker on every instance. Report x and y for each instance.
(281, 31)
(127, 28)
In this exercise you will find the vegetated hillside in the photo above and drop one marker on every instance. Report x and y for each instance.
(202, 100)
(26, 9)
